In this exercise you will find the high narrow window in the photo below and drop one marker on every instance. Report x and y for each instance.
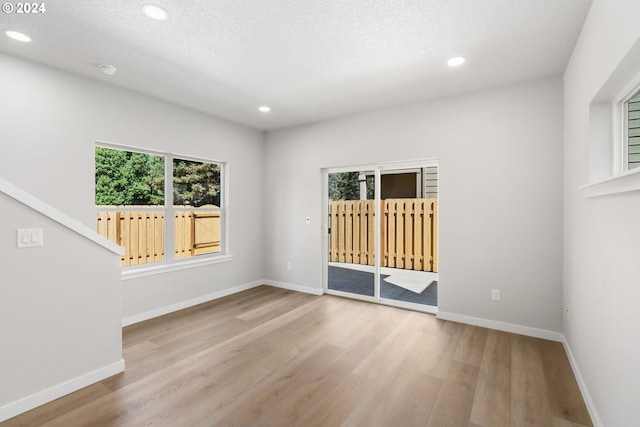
(632, 127)
(158, 207)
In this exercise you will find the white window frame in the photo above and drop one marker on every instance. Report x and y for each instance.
(613, 125)
(621, 127)
(170, 263)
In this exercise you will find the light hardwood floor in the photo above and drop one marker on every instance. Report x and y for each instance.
(271, 357)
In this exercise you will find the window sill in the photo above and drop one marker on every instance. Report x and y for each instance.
(626, 182)
(136, 272)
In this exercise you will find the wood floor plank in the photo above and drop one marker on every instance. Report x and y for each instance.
(454, 402)
(562, 387)
(529, 397)
(273, 357)
(471, 346)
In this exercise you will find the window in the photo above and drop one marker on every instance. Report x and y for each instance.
(632, 128)
(614, 132)
(136, 192)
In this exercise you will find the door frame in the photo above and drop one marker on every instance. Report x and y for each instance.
(378, 169)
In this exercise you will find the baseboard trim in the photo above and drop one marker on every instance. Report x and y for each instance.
(50, 394)
(595, 417)
(137, 318)
(502, 326)
(292, 287)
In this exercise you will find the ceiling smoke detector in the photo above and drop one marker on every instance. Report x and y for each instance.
(109, 70)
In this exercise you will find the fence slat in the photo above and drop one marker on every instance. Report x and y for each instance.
(409, 209)
(427, 236)
(341, 231)
(434, 235)
(355, 232)
(418, 254)
(384, 231)
(333, 247)
(348, 233)
(371, 227)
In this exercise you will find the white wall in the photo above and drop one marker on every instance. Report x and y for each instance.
(602, 249)
(60, 322)
(49, 121)
(500, 154)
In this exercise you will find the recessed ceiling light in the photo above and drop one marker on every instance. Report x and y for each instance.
(109, 70)
(155, 12)
(264, 109)
(18, 36)
(454, 62)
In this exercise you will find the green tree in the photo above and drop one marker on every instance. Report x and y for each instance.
(346, 186)
(196, 183)
(125, 178)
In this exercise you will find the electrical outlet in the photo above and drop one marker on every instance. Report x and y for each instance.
(495, 294)
(289, 265)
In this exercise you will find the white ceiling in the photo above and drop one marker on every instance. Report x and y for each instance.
(309, 60)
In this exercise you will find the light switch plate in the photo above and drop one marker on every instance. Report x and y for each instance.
(30, 237)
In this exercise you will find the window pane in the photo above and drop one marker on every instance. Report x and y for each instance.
(133, 182)
(196, 183)
(197, 232)
(126, 178)
(351, 186)
(633, 132)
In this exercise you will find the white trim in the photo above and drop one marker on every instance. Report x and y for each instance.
(586, 396)
(136, 318)
(502, 326)
(351, 295)
(292, 287)
(423, 308)
(161, 268)
(57, 216)
(377, 233)
(52, 393)
(141, 317)
(623, 183)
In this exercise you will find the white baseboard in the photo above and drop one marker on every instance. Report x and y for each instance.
(502, 326)
(595, 417)
(292, 287)
(136, 318)
(50, 394)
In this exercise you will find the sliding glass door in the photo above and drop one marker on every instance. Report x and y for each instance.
(386, 210)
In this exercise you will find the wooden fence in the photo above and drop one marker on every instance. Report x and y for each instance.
(408, 232)
(141, 233)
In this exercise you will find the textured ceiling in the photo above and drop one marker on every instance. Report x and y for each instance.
(309, 60)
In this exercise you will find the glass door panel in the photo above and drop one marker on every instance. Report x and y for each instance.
(408, 235)
(352, 238)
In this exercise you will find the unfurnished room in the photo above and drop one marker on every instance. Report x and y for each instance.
(320, 213)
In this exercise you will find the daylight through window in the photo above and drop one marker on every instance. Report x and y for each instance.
(131, 197)
(633, 131)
